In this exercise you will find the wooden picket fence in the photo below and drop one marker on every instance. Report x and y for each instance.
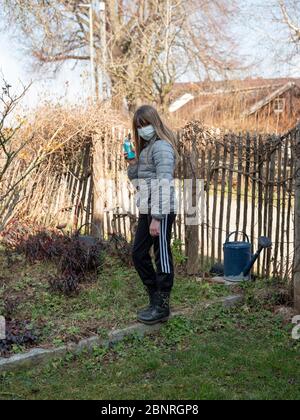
(249, 187)
(249, 183)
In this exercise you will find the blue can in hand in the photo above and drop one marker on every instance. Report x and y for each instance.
(128, 148)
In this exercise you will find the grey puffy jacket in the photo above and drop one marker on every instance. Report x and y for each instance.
(156, 164)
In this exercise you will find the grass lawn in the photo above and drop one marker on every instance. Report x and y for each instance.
(109, 301)
(242, 353)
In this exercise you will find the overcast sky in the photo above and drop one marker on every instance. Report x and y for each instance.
(254, 30)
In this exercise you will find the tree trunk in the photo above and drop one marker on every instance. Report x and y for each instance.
(297, 225)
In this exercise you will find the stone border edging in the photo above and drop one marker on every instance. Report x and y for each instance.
(38, 355)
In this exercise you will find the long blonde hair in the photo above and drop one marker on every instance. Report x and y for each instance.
(145, 115)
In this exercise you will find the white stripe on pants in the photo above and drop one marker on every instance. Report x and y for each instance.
(163, 246)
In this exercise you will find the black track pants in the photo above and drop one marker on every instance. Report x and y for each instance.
(163, 278)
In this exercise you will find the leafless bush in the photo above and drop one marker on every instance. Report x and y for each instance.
(21, 152)
(9, 154)
(42, 148)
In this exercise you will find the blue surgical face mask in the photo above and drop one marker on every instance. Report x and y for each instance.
(147, 133)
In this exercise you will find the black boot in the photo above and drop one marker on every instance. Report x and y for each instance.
(160, 312)
(151, 290)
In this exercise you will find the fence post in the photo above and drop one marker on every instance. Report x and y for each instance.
(192, 231)
(297, 225)
(97, 185)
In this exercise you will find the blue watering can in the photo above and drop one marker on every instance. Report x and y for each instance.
(238, 258)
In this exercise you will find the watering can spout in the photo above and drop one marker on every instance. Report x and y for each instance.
(263, 243)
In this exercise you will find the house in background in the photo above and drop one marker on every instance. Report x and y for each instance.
(264, 105)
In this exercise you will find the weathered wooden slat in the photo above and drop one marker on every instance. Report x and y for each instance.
(224, 149)
(292, 140)
(230, 183)
(88, 213)
(246, 182)
(49, 200)
(202, 241)
(260, 195)
(192, 237)
(180, 217)
(215, 201)
(296, 271)
(107, 139)
(81, 188)
(122, 169)
(276, 247)
(266, 182)
(254, 190)
(75, 192)
(283, 207)
(268, 252)
(78, 203)
(239, 184)
(207, 190)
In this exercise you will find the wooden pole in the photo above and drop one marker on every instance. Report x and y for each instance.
(297, 224)
(98, 187)
(91, 7)
(92, 51)
(103, 41)
(192, 229)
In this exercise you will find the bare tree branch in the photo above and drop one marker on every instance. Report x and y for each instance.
(295, 30)
(151, 43)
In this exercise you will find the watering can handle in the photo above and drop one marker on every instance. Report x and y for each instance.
(91, 224)
(245, 235)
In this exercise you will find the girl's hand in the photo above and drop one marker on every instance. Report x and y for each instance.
(130, 161)
(155, 228)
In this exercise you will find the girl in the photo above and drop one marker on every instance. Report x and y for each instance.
(154, 165)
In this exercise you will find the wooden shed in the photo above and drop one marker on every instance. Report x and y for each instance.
(267, 105)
